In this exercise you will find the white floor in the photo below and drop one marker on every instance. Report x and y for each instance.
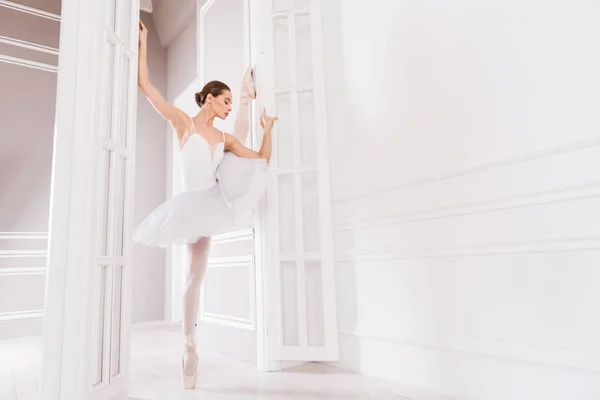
(156, 351)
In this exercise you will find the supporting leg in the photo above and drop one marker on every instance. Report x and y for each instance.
(198, 257)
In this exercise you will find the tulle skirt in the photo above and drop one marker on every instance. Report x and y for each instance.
(189, 216)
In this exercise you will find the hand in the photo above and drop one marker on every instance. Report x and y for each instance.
(266, 121)
(143, 32)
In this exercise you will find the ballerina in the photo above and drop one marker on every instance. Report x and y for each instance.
(222, 181)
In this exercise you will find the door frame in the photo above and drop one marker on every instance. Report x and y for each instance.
(64, 308)
(251, 56)
(72, 246)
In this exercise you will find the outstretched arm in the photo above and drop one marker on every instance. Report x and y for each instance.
(169, 112)
(237, 148)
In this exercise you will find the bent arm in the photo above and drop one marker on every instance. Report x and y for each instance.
(232, 144)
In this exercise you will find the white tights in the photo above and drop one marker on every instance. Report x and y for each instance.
(198, 253)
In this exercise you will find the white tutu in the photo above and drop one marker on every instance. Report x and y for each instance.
(189, 216)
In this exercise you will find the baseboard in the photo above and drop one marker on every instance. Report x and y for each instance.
(463, 375)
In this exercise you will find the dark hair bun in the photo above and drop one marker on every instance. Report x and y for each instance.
(199, 99)
(214, 88)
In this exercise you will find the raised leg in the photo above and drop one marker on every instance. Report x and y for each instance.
(241, 127)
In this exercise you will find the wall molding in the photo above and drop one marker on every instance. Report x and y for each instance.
(22, 271)
(28, 45)
(494, 350)
(15, 315)
(569, 194)
(22, 253)
(29, 10)
(230, 320)
(548, 246)
(231, 237)
(27, 63)
(557, 145)
(23, 235)
(230, 261)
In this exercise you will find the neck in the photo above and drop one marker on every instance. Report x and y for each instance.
(204, 118)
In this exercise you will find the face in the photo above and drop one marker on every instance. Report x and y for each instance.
(221, 105)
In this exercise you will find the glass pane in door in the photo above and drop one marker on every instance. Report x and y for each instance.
(281, 51)
(124, 108)
(99, 315)
(289, 304)
(307, 129)
(117, 296)
(310, 212)
(304, 65)
(287, 215)
(284, 135)
(120, 206)
(315, 322)
(107, 86)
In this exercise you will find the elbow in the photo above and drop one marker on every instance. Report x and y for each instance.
(143, 84)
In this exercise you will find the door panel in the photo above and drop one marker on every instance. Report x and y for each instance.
(299, 269)
(89, 260)
(227, 320)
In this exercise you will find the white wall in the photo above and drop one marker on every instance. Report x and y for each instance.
(464, 157)
(148, 300)
(27, 104)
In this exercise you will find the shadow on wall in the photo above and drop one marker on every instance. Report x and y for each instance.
(28, 102)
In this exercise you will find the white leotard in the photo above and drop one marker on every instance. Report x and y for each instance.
(198, 161)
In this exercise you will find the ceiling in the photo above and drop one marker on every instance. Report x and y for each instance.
(170, 17)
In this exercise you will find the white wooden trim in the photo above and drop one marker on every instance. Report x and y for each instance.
(231, 321)
(30, 10)
(228, 320)
(22, 271)
(74, 199)
(28, 63)
(303, 351)
(252, 8)
(202, 8)
(65, 345)
(15, 315)
(496, 350)
(23, 235)
(289, 12)
(566, 194)
(231, 237)
(28, 45)
(550, 246)
(22, 253)
(524, 153)
(325, 216)
(233, 261)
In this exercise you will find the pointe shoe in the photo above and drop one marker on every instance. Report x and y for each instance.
(189, 381)
(249, 84)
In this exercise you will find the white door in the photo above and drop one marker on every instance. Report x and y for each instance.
(298, 265)
(87, 302)
(227, 316)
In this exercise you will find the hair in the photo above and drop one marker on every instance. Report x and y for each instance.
(215, 88)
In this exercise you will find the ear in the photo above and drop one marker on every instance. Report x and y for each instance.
(209, 98)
